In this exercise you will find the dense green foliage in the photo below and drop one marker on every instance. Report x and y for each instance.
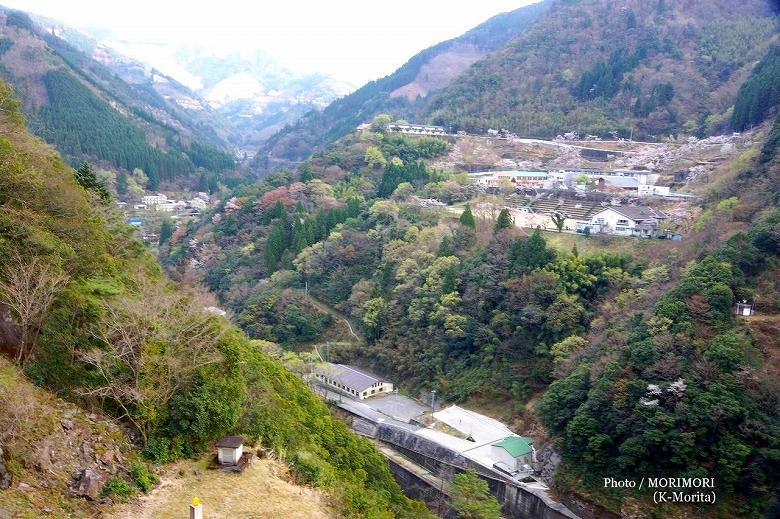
(87, 178)
(760, 93)
(669, 394)
(604, 78)
(471, 497)
(80, 124)
(393, 176)
(118, 335)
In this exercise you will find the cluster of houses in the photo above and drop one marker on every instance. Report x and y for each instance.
(585, 217)
(636, 183)
(161, 202)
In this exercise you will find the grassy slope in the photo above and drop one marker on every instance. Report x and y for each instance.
(265, 489)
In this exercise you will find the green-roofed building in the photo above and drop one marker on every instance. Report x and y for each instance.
(515, 451)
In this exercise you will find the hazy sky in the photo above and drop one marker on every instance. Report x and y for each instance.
(353, 40)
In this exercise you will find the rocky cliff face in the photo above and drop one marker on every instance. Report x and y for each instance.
(54, 457)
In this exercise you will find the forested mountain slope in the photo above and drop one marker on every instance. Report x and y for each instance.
(647, 68)
(400, 92)
(653, 67)
(89, 112)
(87, 313)
(623, 352)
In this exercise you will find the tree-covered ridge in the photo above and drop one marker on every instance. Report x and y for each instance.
(594, 68)
(116, 334)
(76, 104)
(82, 125)
(760, 93)
(464, 303)
(680, 390)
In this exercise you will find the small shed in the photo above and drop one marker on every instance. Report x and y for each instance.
(743, 308)
(230, 449)
(515, 451)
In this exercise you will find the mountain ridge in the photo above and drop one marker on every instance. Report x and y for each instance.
(343, 115)
(82, 107)
(587, 66)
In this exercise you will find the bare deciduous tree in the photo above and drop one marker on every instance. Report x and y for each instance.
(28, 287)
(154, 345)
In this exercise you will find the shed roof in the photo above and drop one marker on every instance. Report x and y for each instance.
(516, 446)
(578, 210)
(230, 442)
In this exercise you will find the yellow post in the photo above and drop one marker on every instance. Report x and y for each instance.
(196, 509)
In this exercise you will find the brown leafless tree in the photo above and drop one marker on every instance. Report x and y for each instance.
(28, 286)
(154, 343)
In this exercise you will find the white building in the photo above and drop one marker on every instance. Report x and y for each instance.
(648, 190)
(230, 449)
(416, 129)
(483, 439)
(198, 203)
(167, 207)
(352, 381)
(171, 206)
(159, 198)
(515, 451)
(626, 221)
(518, 177)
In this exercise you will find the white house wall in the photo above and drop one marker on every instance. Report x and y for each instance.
(610, 222)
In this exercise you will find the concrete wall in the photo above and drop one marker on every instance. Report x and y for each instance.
(419, 489)
(516, 501)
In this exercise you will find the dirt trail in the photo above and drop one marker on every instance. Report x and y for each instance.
(325, 307)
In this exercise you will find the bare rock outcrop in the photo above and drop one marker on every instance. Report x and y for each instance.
(88, 483)
(6, 478)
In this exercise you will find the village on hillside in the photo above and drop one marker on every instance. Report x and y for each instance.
(581, 184)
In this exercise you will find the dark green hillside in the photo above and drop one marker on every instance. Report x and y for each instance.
(88, 112)
(82, 125)
(342, 116)
(760, 93)
(117, 335)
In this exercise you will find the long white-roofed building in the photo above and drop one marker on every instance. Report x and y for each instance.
(352, 381)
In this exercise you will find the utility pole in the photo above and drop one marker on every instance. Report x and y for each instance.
(433, 401)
